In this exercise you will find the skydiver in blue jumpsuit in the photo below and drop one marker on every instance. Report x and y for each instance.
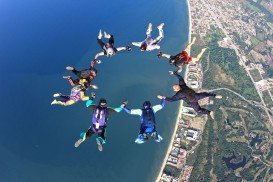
(147, 121)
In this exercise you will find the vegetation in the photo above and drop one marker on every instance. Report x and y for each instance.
(256, 75)
(227, 60)
(202, 164)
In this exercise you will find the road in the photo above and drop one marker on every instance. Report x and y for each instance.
(207, 4)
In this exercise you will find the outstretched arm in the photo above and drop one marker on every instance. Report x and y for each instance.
(90, 105)
(170, 99)
(164, 55)
(112, 110)
(138, 44)
(180, 78)
(159, 106)
(133, 111)
(99, 54)
(125, 48)
(121, 48)
(93, 63)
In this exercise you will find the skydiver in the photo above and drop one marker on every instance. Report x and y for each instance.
(183, 92)
(147, 121)
(98, 122)
(77, 93)
(85, 77)
(181, 58)
(109, 49)
(149, 43)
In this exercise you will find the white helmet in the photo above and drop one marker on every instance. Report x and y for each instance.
(110, 51)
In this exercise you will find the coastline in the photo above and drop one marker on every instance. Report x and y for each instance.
(179, 108)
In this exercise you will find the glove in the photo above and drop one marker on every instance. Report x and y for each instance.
(98, 61)
(128, 48)
(159, 55)
(92, 96)
(88, 103)
(173, 72)
(124, 103)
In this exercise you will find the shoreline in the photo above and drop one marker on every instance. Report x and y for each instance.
(179, 108)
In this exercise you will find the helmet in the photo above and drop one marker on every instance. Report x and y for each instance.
(93, 71)
(146, 104)
(110, 51)
(102, 102)
(143, 46)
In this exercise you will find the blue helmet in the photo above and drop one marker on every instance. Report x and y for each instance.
(146, 104)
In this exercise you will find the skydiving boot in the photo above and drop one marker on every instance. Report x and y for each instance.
(107, 35)
(78, 142)
(156, 137)
(67, 77)
(57, 102)
(57, 95)
(100, 35)
(160, 27)
(69, 68)
(140, 139)
(145, 137)
(99, 144)
(149, 29)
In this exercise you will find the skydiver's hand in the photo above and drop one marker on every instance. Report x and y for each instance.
(70, 68)
(92, 96)
(124, 103)
(173, 72)
(98, 61)
(161, 97)
(128, 48)
(159, 55)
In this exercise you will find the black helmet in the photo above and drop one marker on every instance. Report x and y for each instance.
(102, 102)
(146, 104)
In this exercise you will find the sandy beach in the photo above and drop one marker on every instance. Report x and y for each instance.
(179, 108)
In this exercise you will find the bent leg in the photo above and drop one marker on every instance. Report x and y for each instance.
(76, 72)
(198, 109)
(179, 68)
(102, 135)
(84, 136)
(188, 48)
(149, 30)
(199, 55)
(69, 102)
(111, 40)
(101, 139)
(72, 82)
(142, 136)
(160, 36)
(101, 43)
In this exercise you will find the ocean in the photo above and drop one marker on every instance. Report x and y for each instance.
(38, 39)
